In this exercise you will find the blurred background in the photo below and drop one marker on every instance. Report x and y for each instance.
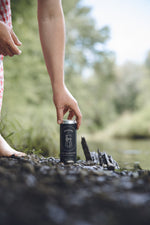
(107, 69)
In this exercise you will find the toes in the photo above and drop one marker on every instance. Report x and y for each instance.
(19, 154)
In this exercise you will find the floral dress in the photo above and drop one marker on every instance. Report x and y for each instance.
(5, 16)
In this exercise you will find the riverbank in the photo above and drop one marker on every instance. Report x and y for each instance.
(128, 126)
(43, 191)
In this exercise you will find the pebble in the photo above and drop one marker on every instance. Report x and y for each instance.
(30, 180)
(44, 169)
(56, 213)
(27, 167)
(45, 191)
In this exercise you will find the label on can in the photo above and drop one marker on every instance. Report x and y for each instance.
(68, 141)
(68, 136)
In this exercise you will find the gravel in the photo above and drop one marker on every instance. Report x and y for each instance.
(43, 191)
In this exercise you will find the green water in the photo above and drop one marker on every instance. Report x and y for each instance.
(125, 152)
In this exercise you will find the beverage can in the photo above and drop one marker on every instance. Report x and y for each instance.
(68, 146)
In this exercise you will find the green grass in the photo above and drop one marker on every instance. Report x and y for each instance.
(132, 126)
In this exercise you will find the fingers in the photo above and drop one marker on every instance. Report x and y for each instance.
(9, 52)
(15, 38)
(71, 115)
(60, 114)
(73, 111)
(8, 41)
(9, 49)
(65, 110)
(78, 114)
(2, 51)
(13, 48)
(5, 52)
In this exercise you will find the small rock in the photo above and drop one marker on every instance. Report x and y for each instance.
(27, 167)
(56, 213)
(44, 169)
(30, 180)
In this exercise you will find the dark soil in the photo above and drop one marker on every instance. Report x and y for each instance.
(42, 191)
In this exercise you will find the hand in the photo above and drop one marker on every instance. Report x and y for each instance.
(8, 41)
(65, 102)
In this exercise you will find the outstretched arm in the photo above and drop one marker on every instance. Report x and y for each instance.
(52, 35)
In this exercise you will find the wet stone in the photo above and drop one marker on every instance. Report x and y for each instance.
(138, 199)
(2, 170)
(28, 167)
(45, 191)
(30, 180)
(101, 179)
(44, 170)
(56, 213)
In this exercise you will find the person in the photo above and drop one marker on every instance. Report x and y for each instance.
(52, 35)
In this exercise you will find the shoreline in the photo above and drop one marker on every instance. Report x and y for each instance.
(38, 190)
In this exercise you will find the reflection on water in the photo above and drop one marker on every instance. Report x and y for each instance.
(125, 152)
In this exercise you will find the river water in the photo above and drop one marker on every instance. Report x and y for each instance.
(125, 152)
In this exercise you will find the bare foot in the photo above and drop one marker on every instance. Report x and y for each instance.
(6, 150)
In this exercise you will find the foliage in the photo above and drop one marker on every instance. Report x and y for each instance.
(128, 87)
(81, 45)
(132, 126)
(22, 8)
(104, 91)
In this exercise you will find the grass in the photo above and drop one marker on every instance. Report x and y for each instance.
(130, 126)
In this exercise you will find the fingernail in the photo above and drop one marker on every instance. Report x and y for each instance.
(59, 121)
(20, 52)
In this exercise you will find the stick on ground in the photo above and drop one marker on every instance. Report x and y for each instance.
(86, 149)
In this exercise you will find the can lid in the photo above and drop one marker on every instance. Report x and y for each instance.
(69, 162)
(69, 122)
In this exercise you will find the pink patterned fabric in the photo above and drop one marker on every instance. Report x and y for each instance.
(5, 16)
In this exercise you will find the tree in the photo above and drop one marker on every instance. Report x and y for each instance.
(128, 87)
(85, 51)
(22, 8)
(84, 41)
(86, 54)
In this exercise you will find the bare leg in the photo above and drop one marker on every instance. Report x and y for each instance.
(6, 150)
(5, 16)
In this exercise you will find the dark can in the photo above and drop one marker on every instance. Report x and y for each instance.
(68, 146)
